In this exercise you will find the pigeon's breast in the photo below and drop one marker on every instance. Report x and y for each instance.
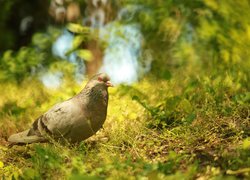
(92, 116)
(89, 110)
(98, 108)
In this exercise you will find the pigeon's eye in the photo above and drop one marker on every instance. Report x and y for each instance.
(100, 79)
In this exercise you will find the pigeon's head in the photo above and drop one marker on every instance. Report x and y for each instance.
(101, 79)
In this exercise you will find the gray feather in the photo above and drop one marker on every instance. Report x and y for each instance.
(23, 138)
(75, 119)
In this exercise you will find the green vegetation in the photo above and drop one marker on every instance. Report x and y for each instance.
(188, 118)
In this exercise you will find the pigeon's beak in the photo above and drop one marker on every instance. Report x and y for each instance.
(108, 84)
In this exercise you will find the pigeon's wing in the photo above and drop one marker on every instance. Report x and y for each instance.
(23, 138)
(58, 121)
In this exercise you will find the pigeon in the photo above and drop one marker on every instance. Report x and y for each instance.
(73, 120)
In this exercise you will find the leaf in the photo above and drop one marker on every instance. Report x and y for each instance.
(173, 102)
(85, 54)
(136, 98)
(239, 171)
(1, 164)
(190, 118)
(77, 41)
(186, 106)
(8, 55)
(143, 104)
(29, 174)
(76, 28)
(166, 75)
(246, 143)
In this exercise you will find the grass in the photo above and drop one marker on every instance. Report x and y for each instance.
(195, 125)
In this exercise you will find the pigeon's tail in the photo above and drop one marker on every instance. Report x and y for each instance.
(24, 138)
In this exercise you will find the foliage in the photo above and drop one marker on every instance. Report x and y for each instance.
(15, 30)
(28, 61)
(82, 36)
(187, 31)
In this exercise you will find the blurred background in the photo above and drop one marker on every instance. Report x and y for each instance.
(71, 39)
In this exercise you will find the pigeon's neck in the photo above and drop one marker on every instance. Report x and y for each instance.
(94, 100)
(95, 95)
